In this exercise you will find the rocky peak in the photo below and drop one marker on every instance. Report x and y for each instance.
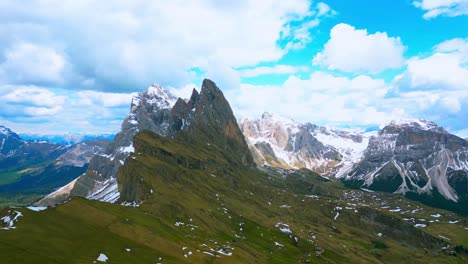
(215, 122)
(9, 140)
(416, 157)
(281, 142)
(396, 126)
(205, 116)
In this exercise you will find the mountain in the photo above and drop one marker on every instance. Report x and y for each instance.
(30, 169)
(158, 111)
(418, 159)
(193, 195)
(66, 139)
(281, 142)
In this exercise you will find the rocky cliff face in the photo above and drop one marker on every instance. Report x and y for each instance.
(215, 122)
(280, 142)
(416, 158)
(206, 115)
(79, 155)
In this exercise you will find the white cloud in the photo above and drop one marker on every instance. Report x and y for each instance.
(185, 91)
(225, 76)
(105, 99)
(445, 69)
(130, 44)
(300, 35)
(457, 46)
(276, 69)
(28, 62)
(59, 110)
(440, 70)
(30, 95)
(350, 49)
(42, 111)
(435, 8)
(436, 86)
(29, 101)
(322, 98)
(324, 9)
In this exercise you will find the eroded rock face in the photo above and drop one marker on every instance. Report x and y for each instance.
(81, 154)
(280, 142)
(215, 121)
(414, 157)
(206, 115)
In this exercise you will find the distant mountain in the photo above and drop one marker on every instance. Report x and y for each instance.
(158, 111)
(30, 169)
(416, 158)
(67, 139)
(281, 142)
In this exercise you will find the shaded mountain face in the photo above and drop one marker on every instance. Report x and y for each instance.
(417, 159)
(206, 115)
(280, 142)
(30, 169)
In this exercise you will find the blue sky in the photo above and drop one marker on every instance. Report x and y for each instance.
(69, 66)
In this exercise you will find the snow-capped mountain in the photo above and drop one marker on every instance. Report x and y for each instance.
(279, 141)
(31, 167)
(158, 111)
(149, 110)
(9, 141)
(12, 147)
(416, 158)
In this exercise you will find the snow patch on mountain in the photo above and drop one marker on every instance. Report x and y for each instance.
(280, 141)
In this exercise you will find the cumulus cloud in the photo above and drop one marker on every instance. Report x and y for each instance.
(26, 62)
(355, 50)
(433, 87)
(321, 98)
(128, 45)
(440, 70)
(29, 101)
(435, 8)
(60, 110)
(444, 69)
(437, 85)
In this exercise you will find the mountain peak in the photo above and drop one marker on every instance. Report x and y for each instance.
(215, 121)
(277, 117)
(418, 124)
(4, 130)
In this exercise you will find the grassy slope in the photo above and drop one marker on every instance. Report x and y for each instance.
(226, 207)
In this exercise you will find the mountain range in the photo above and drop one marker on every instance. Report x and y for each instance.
(30, 169)
(65, 139)
(180, 185)
(415, 158)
